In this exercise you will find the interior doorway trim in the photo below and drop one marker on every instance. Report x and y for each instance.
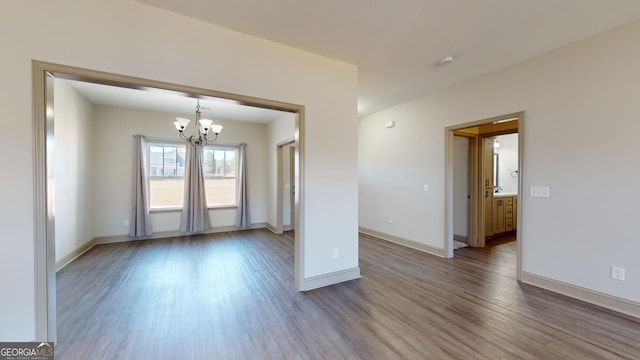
(478, 224)
(43, 147)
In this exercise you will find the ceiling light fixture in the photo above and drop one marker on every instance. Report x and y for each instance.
(505, 120)
(203, 126)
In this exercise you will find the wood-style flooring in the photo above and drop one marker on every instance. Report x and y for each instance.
(231, 296)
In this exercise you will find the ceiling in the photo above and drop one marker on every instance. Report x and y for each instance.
(398, 44)
(214, 109)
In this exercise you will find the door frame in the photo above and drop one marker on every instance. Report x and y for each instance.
(477, 217)
(44, 184)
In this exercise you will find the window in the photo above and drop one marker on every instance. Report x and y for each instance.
(166, 175)
(219, 166)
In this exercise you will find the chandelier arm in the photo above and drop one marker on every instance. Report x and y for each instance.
(182, 136)
(215, 137)
(199, 137)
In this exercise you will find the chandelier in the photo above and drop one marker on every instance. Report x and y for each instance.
(198, 136)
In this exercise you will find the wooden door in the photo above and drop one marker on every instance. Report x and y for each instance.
(498, 216)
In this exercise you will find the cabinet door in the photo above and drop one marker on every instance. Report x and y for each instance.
(508, 224)
(488, 213)
(498, 216)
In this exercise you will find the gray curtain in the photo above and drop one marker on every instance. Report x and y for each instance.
(195, 214)
(242, 216)
(140, 220)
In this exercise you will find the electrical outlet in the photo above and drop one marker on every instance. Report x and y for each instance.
(336, 253)
(617, 273)
(390, 222)
(125, 223)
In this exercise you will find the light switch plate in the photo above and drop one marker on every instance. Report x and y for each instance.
(539, 191)
(426, 187)
(617, 273)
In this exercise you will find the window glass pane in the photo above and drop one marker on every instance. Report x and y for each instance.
(155, 160)
(166, 192)
(209, 163)
(170, 168)
(219, 162)
(220, 191)
(166, 175)
(180, 159)
(220, 182)
(230, 163)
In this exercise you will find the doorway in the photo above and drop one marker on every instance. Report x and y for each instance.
(484, 217)
(44, 184)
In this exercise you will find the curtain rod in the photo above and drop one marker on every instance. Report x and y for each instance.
(180, 141)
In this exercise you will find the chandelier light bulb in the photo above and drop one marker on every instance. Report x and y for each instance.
(202, 128)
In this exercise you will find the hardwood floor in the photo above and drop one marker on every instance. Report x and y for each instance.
(231, 296)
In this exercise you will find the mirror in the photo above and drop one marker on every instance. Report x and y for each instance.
(496, 173)
(505, 164)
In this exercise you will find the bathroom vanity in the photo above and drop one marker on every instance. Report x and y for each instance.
(503, 214)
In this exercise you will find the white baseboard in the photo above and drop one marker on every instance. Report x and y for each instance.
(404, 242)
(271, 228)
(67, 259)
(610, 302)
(174, 233)
(323, 280)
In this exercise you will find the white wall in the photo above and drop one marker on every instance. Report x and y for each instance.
(113, 167)
(394, 165)
(581, 129)
(460, 185)
(72, 162)
(129, 38)
(508, 162)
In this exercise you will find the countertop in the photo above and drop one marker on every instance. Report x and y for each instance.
(504, 194)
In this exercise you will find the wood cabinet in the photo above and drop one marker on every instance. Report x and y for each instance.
(497, 216)
(503, 214)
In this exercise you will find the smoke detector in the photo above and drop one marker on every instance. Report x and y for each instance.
(445, 60)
